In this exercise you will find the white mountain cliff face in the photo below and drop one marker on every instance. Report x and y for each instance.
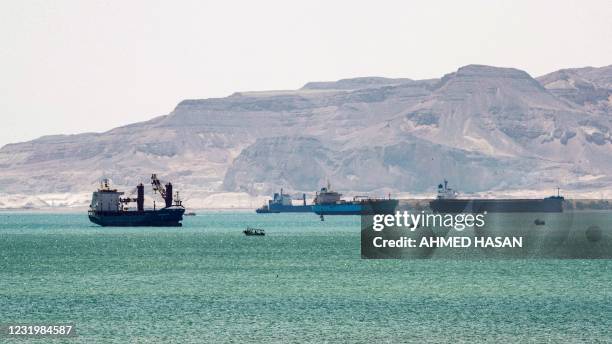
(483, 128)
(588, 87)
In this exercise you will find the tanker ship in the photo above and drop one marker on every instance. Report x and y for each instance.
(447, 201)
(329, 202)
(109, 208)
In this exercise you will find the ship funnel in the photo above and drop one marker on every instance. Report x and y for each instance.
(168, 196)
(140, 197)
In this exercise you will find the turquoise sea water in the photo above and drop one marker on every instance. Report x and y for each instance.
(303, 282)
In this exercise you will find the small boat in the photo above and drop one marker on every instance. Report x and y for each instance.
(539, 222)
(254, 231)
(190, 214)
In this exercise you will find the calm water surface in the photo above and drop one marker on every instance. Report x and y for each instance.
(303, 282)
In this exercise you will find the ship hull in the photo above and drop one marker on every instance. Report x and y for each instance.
(367, 207)
(337, 209)
(166, 217)
(279, 208)
(546, 205)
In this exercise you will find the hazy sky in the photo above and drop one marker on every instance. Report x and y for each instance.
(74, 66)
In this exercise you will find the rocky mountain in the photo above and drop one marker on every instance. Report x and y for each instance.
(481, 127)
(589, 87)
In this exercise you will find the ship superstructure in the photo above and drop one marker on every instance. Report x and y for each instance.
(283, 203)
(327, 196)
(329, 202)
(444, 192)
(109, 208)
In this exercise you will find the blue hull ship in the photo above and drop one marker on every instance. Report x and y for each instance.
(368, 206)
(337, 209)
(279, 208)
(283, 203)
(109, 208)
(328, 202)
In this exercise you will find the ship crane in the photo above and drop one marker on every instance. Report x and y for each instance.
(139, 198)
(157, 185)
(164, 190)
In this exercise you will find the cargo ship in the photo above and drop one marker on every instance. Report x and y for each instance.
(329, 202)
(447, 201)
(109, 208)
(283, 203)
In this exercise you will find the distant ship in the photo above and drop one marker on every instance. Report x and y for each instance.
(109, 208)
(329, 202)
(283, 203)
(448, 202)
